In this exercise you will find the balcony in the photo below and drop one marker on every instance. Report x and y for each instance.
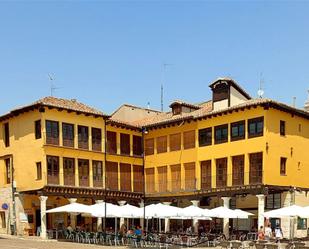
(138, 186)
(238, 179)
(256, 177)
(98, 183)
(206, 182)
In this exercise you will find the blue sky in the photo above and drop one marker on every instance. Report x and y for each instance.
(106, 53)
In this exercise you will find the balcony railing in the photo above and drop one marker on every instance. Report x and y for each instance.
(52, 140)
(256, 177)
(238, 179)
(98, 183)
(69, 180)
(53, 179)
(84, 181)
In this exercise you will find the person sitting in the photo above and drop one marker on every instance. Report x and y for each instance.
(138, 231)
(70, 228)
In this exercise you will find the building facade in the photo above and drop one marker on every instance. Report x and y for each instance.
(232, 150)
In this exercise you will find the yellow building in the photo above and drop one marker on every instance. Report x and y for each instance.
(232, 150)
(53, 152)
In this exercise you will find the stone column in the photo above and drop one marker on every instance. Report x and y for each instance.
(287, 223)
(195, 221)
(43, 200)
(141, 205)
(99, 220)
(73, 216)
(167, 220)
(121, 203)
(226, 224)
(261, 207)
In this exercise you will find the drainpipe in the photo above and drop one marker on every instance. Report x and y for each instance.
(13, 198)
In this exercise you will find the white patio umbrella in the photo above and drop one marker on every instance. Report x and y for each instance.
(223, 212)
(130, 211)
(242, 214)
(290, 211)
(71, 208)
(161, 211)
(305, 212)
(194, 212)
(98, 210)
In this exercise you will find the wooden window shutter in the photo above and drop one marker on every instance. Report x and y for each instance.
(206, 174)
(150, 180)
(112, 175)
(162, 178)
(175, 142)
(189, 139)
(149, 146)
(125, 177)
(190, 181)
(176, 177)
(162, 144)
(138, 176)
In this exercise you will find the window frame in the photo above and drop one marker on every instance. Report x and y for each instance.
(66, 140)
(125, 148)
(8, 175)
(255, 121)
(52, 135)
(237, 125)
(205, 137)
(96, 139)
(173, 145)
(111, 142)
(149, 150)
(82, 142)
(137, 145)
(282, 128)
(187, 143)
(38, 129)
(283, 161)
(6, 131)
(221, 128)
(38, 171)
(161, 144)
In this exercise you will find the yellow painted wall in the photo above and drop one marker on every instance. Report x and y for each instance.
(294, 146)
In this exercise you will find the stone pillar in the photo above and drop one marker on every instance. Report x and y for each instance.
(195, 221)
(226, 224)
(121, 203)
(141, 205)
(167, 220)
(43, 200)
(287, 223)
(99, 220)
(261, 207)
(73, 216)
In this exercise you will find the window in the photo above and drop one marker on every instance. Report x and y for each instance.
(7, 171)
(283, 166)
(176, 109)
(189, 139)
(221, 172)
(111, 142)
(176, 177)
(52, 132)
(161, 144)
(149, 146)
(37, 128)
(255, 127)
(175, 142)
(150, 180)
(124, 144)
(6, 135)
(52, 169)
(238, 130)
(83, 137)
(205, 137)
(162, 179)
(39, 171)
(138, 178)
(137, 145)
(221, 134)
(111, 175)
(68, 135)
(96, 138)
(301, 224)
(97, 172)
(256, 167)
(206, 174)
(273, 201)
(83, 172)
(299, 127)
(125, 177)
(282, 128)
(238, 170)
(69, 171)
(190, 180)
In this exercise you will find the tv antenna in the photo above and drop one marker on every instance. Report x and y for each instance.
(164, 65)
(53, 88)
(260, 92)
